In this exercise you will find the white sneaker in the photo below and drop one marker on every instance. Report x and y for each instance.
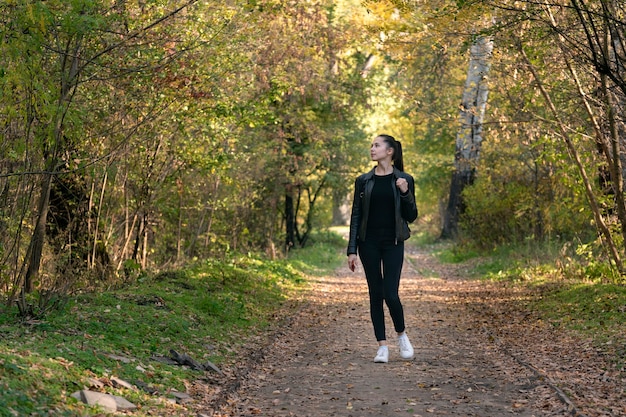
(406, 350)
(382, 356)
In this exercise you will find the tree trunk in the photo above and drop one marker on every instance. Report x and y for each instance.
(179, 228)
(341, 208)
(35, 247)
(469, 137)
(98, 214)
(308, 221)
(290, 229)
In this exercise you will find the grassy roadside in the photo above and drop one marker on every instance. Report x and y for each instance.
(574, 290)
(204, 311)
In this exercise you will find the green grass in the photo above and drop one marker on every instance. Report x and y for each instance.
(205, 311)
(592, 308)
(450, 253)
(325, 252)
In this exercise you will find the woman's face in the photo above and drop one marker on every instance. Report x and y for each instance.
(380, 150)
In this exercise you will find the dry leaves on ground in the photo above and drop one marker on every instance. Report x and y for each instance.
(478, 353)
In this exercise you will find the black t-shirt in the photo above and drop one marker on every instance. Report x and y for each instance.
(381, 217)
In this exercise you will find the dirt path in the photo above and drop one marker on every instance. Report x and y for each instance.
(473, 357)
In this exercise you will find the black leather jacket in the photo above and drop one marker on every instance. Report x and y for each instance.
(406, 210)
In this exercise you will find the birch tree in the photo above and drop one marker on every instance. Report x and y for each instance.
(469, 137)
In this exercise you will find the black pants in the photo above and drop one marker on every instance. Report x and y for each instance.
(382, 261)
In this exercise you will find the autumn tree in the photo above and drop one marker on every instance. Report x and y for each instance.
(428, 47)
(565, 58)
(141, 135)
(57, 59)
(469, 137)
(313, 91)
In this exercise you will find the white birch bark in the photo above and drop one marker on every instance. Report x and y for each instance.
(472, 112)
(469, 137)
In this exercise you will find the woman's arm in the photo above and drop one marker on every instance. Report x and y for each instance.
(408, 208)
(355, 218)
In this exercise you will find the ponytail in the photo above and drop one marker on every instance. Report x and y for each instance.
(397, 150)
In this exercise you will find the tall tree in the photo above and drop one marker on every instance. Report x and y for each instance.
(470, 136)
(57, 57)
(314, 91)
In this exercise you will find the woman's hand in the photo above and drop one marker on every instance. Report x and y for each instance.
(402, 185)
(352, 262)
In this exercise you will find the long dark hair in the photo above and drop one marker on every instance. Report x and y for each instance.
(397, 150)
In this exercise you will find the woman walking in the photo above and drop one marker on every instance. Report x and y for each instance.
(383, 205)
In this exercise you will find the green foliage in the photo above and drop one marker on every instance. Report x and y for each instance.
(587, 262)
(518, 195)
(494, 218)
(175, 134)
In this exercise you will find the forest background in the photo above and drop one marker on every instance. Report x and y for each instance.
(143, 136)
(165, 164)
